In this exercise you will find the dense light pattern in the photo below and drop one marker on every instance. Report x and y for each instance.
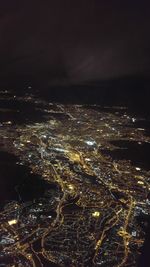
(88, 215)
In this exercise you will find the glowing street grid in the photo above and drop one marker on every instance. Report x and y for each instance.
(88, 215)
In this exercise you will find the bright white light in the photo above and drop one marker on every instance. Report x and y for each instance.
(90, 143)
(12, 222)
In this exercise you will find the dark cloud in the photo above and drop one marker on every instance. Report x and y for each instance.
(72, 41)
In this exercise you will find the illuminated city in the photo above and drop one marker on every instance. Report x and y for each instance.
(89, 214)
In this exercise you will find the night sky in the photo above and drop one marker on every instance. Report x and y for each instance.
(66, 41)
